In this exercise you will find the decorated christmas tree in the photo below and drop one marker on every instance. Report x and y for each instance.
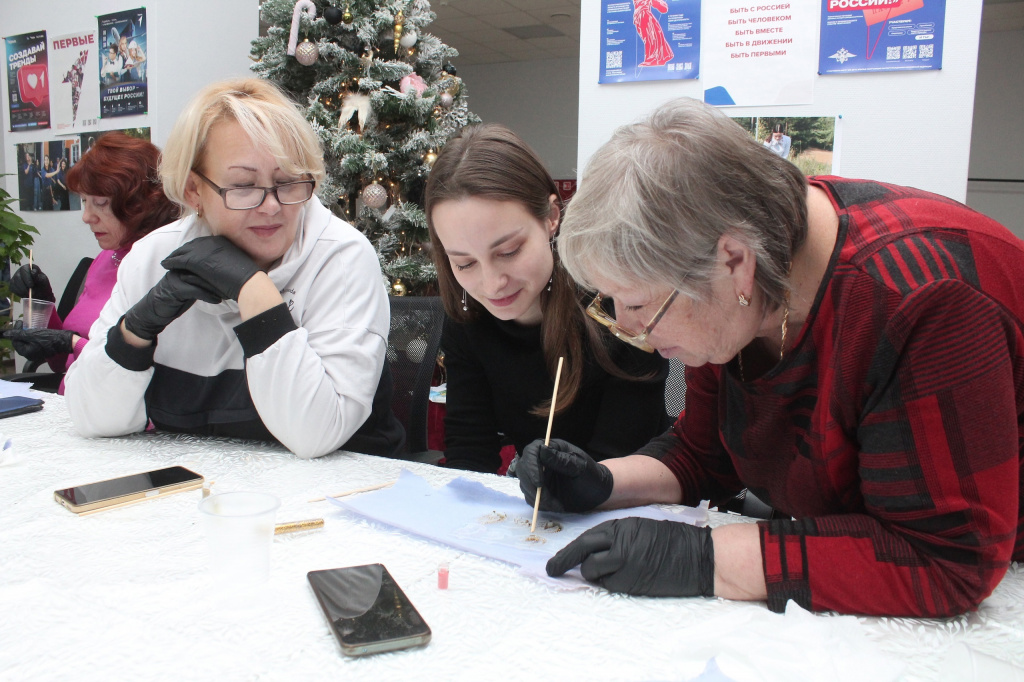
(384, 98)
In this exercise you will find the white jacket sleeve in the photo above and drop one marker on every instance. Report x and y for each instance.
(314, 386)
(104, 398)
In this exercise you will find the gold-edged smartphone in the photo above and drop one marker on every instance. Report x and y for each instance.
(118, 492)
(368, 612)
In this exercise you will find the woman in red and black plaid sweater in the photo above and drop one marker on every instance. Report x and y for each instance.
(855, 357)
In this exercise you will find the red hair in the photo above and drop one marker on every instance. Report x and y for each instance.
(124, 169)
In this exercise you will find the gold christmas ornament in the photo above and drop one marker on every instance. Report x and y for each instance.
(429, 158)
(307, 53)
(347, 15)
(375, 196)
(399, 25)
(398, 288)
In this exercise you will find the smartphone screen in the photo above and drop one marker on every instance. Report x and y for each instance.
(367, 610)
(127, 485)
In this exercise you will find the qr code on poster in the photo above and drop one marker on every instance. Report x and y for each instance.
(613, 60)
(892, 52)
(926, 51)
(910, 51)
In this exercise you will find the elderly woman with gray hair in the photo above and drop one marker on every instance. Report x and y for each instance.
(855, 357)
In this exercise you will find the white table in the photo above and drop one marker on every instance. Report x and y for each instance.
(124, 594)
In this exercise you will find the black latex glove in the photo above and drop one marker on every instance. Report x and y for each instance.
(39, 344)
(221, 266)
(643, 557)
(165, 302)
(570, 479)
(25, 278)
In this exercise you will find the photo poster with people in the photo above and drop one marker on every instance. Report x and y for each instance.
(648, 40)
(73, 92)
(811, 143)
(42, 175)
(28, 83)
(122, 65)
(760, 52)
(859, 36)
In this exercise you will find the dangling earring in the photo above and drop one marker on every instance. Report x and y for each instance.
(550, 280)
(464, 306)
(744, 301)
(199, 210)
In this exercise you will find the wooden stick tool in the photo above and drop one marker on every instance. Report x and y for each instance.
(547, 439)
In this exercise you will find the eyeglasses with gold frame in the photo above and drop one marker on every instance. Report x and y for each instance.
(595, 311)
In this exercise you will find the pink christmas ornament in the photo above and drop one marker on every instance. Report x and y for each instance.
(413, 80)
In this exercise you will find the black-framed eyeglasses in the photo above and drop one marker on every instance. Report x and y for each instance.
(595, 311)
(244, 198)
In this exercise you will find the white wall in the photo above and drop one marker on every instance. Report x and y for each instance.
(907, 128)
(997, 141)
(538, 100)
(190, 43)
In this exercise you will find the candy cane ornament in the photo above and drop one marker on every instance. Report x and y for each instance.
(301, 6)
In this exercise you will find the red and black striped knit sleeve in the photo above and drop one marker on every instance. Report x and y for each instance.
(692, 449)
(938, 468)
(938, 435)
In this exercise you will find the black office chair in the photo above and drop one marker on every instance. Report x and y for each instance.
(49, 382)
(413, 342)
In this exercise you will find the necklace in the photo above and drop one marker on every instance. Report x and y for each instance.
(115, 258)
(782, 346)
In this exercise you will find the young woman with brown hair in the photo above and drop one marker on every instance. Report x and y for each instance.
(493, 212)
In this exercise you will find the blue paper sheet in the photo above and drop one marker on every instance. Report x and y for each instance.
(472, 517)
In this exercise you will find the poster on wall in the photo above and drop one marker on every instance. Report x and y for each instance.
(42, 175)
(808, 142)
(881, 35)
(646, 40)
(28, 82)
(74, 94)
(122, 65)
(760, 52)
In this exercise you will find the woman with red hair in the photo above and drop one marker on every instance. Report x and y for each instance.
(122, 200)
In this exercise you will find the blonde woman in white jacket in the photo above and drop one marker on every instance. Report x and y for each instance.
(257, 315)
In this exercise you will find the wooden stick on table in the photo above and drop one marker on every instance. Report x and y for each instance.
(547, 439)
(356, 491)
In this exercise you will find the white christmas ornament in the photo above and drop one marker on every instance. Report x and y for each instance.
(409, 38)
(447, 100)
(375, 196)
(301, 6)
(307, 53)
(353, 102)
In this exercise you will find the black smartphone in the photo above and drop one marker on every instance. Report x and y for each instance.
(117, 492)
(367, 610)
(17, 404)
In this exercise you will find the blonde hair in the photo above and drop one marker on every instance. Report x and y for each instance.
(270, 119)
(656, 198)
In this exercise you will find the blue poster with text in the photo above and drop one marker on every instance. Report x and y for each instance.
(858, 36)
(648, 40)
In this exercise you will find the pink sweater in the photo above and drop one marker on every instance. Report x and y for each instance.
(99, 282)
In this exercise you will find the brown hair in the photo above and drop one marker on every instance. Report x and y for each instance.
(492, 162)
(124, 169)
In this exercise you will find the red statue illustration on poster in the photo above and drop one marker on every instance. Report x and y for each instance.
(656, 49)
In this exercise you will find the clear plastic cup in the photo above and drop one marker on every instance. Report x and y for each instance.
(239, 532)
(36, 313)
